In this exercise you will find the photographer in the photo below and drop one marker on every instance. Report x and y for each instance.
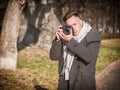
(76, 47)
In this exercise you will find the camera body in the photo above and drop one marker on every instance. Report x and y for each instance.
(66, 29)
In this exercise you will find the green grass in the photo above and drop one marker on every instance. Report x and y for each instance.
(106, 56)
(35, 68)
(43, 69)
(8, 81)
(111, 42)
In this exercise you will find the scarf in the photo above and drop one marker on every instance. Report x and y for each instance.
(68, 55)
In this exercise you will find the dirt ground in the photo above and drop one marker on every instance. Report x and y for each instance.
(109, 78)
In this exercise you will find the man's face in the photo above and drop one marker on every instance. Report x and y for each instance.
(76, 23)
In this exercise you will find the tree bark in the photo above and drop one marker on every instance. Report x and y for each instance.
(9, 34)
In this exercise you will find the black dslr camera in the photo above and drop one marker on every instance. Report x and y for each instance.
(66, 29)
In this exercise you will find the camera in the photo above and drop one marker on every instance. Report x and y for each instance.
(66, 29)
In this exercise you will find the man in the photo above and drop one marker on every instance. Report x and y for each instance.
(77, 54)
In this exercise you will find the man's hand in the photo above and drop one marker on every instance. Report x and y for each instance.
(61, 35)
(57, 33)
(65, 37)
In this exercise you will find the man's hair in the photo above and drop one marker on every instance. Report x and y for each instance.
(70, 14)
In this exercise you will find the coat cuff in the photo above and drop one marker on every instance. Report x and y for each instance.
(72, 43)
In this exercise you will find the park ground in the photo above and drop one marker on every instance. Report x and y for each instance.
(35, 71)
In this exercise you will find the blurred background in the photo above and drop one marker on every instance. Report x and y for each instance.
(38, 23)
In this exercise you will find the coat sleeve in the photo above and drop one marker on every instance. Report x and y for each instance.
(55, 50)
(88, 51)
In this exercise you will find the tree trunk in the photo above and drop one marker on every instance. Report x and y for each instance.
(9, 34)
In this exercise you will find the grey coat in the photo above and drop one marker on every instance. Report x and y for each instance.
(82, 74)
